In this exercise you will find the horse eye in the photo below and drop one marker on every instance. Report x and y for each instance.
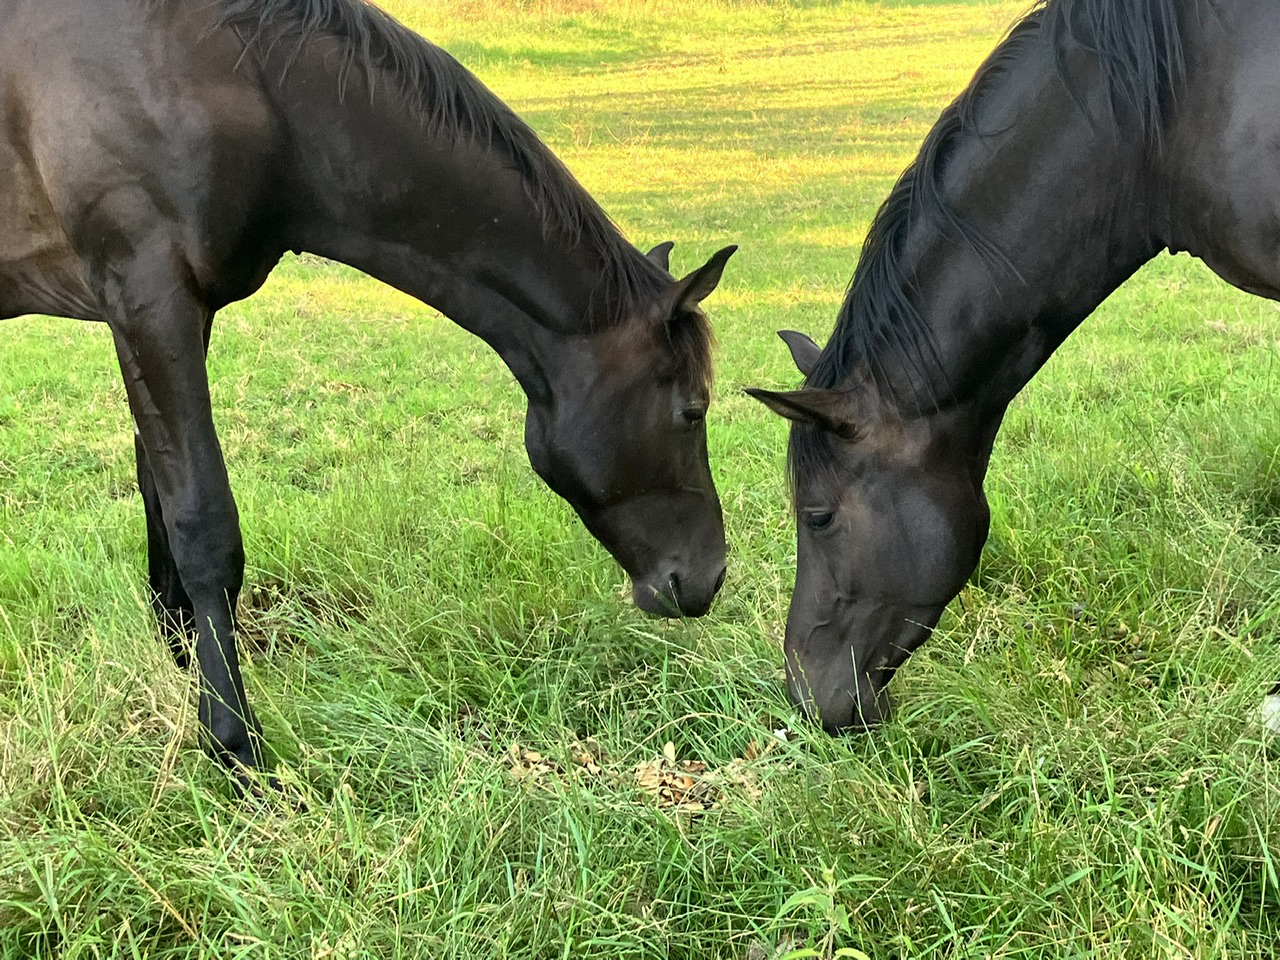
(694, 414)
(818, 521)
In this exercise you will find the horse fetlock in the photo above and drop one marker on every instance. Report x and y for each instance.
(231, 737)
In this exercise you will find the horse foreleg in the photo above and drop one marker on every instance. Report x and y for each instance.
(173, 608)
(158, 340)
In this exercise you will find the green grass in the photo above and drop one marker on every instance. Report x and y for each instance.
(1070, 773)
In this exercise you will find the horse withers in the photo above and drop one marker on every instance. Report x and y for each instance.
(158, 157)
(1099, 133)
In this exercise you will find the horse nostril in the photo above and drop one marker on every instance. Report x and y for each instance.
(720, 580)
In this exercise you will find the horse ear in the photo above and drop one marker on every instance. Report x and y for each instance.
(803, 350)
(661, 255)
(825, 409)
(697, 286)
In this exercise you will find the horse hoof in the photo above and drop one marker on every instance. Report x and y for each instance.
(267, 790)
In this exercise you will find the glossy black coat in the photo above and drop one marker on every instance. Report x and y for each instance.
(1098, 134)
(158, 157)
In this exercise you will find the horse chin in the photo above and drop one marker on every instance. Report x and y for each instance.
(654, 601)
(845, 686)
(671, 546)
(855, 707)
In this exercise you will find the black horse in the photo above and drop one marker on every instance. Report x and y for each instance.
(1099, 133)
(158, 157)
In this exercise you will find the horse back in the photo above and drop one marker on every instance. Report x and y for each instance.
(128, 129)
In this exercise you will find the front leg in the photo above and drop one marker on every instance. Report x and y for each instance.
(174, 611)
(159, 341)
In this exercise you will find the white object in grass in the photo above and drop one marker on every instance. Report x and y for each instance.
(1269, 713)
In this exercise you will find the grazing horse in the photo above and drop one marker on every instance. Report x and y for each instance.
(1097, 134)
(158, 157)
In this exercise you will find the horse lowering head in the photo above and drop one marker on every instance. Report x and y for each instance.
(620, 433)
(890, 521)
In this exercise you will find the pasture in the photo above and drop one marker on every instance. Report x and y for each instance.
(487, 751)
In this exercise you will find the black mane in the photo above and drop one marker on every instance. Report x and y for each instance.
(1138, 46)
(451, 102)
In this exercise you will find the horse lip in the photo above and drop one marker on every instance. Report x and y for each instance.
(891, 662)
(654, 601)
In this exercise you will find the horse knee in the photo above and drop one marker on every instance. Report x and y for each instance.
(209, 556)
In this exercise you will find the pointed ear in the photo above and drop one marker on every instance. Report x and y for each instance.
(661, 255)
(825, 409)
(803, 350)
(697, 286)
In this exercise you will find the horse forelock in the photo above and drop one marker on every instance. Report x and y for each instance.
(691, 341)
(1137, 44)
(811, 457)
(450, 101)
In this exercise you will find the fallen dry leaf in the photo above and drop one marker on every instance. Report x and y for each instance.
(677, 785)
(686, 786)
(589, 756)
(529, 764)
(533, 766)
(737, 775)
(757, 749)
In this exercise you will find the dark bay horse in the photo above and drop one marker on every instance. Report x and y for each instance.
(1098, 133)
(158, 157)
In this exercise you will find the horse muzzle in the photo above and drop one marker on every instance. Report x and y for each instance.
(840, 704)
(677, 593)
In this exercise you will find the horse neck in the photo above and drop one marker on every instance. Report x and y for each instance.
(443, 217)
(1072, 208)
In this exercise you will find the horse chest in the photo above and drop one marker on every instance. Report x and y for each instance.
(39, 272)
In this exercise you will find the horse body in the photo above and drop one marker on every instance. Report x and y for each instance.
(1099, 133)
(1223, 164)
(109, 146)
(158, 157)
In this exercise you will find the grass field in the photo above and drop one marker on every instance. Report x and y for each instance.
(500, 756)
